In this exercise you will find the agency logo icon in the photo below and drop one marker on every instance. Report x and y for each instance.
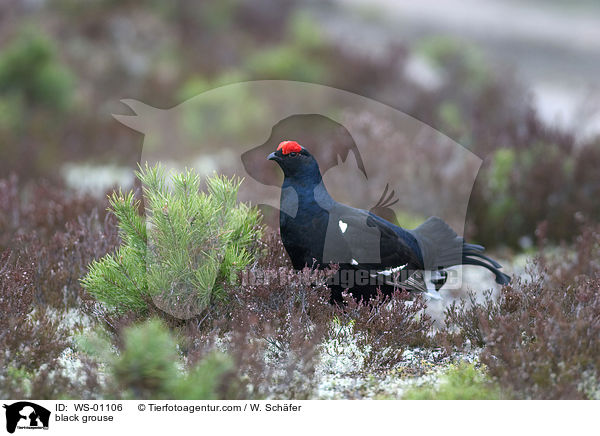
(26, 415)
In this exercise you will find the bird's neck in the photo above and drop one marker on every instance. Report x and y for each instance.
(306, 194)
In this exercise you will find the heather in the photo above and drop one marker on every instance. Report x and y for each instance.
(540, 337)
(276, 335)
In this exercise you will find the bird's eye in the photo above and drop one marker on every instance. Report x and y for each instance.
(293, 154)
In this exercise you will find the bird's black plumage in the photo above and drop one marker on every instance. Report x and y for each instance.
(371, 252)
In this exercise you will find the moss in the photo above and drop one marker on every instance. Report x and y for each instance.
(18, 379)
(461, 382)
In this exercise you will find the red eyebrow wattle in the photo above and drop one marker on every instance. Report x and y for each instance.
(288, 147)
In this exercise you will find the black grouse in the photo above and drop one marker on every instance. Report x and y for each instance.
(372, 253)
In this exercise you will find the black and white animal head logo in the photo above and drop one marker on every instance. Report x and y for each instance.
(26, 415)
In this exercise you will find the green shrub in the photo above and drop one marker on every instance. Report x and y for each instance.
(456, 58)
(149, 366)
(29, 69)
(297, 57)
(304, 32)
(206, 119)
(461, 382)
(180, 257)
(288, 62)
(148, 363)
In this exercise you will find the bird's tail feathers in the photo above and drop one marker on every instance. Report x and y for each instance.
(440, 245)
(469, 253)
(475, 248)
(501, 278)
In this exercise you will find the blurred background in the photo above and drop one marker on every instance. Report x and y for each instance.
(514, 82)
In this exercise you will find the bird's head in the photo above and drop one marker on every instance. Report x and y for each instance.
(296, 162)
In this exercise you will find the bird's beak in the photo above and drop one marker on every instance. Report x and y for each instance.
(274, 157)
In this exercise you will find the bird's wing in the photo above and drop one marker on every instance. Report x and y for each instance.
(370, 241)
